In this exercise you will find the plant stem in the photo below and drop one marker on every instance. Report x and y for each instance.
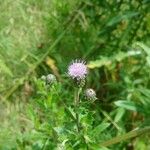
(76, 103)
(131, 134)
(44, 145)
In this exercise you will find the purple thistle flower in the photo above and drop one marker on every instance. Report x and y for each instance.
(77, 70)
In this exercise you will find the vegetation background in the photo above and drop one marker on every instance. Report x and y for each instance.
(42, 36)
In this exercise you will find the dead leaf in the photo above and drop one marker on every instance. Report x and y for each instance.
(51, 63)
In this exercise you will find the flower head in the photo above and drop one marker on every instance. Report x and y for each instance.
(50, 79)
(77, 70)
(90, 94)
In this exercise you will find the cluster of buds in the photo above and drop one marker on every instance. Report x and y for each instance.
(77, 71)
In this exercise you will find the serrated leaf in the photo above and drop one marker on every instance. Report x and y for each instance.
(70, 112)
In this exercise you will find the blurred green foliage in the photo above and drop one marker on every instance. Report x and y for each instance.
(42, 36)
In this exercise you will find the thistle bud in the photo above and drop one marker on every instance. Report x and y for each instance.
(43, 78)
(90, 94)
(50, 79)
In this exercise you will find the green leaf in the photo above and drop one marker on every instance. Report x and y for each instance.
(100, 128)
(97, 147)
(70, 112)
(107, 61)
(121, 17)
(129, 105)
(145, 92)
(59, 130)
(119, 115)
(144, 47)
(5, 69)
(104, 61)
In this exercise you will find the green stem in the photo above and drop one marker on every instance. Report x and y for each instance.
(76, 103)
(44, 145)
(126, 136)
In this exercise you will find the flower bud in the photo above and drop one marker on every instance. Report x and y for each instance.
(90, 94)
(50, 79)
(43, 78)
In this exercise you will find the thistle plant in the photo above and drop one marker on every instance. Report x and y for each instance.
(77, 71)
(75, 124)
(50, 92)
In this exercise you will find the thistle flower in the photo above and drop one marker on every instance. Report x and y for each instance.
(77, 70)
(50, 79)
(90, 94)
